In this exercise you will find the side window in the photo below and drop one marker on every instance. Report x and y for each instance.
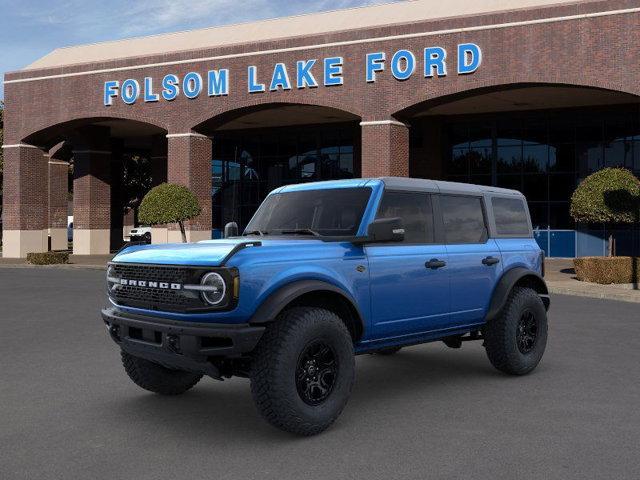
(511, 216)
(463, 219)
(415, 211)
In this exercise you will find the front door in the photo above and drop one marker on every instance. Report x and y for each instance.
(409, 280)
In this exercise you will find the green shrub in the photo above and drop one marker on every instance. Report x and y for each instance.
(48, 258)
(607, 270)
(611, 195)
(169, 203)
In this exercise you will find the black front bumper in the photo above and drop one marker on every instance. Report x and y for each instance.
(180, 345)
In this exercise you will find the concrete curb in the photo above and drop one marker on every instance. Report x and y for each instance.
(631, 297)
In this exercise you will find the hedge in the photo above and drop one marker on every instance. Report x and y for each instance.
(48, 258)
(607, 270)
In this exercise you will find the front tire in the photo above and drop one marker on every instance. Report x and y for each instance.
(515, 341)
(303, 370)
(156, 378)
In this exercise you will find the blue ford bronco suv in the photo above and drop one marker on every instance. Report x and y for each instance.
(325, 271)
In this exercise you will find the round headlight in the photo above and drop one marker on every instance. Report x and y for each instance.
(214, 288)
(112, 282)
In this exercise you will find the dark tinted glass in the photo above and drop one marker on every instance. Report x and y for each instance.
(463, 219)
(511, 216)
(415, 211)
(330, 212)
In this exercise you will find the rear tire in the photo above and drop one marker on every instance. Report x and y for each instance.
(303, 370)
(515, 340)
(156, 378)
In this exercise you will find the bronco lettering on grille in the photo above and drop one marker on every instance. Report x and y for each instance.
(149, 284)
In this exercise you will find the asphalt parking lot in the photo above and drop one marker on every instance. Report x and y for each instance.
(67, 409)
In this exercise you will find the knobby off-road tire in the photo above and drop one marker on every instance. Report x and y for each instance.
(515, 340)
(303, 341)
(156, 378)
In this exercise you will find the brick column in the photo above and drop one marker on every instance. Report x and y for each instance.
(385, 149)
(189, 164)
(24, 202)
(159, 233)
(58, 191)
(158, 160)
(92, 192)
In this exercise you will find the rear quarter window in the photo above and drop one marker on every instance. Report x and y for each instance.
(511, 216)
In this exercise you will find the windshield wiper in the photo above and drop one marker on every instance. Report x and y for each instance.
(300, 231)
(254, 232)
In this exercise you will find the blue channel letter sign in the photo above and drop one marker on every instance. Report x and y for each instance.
(307, 73)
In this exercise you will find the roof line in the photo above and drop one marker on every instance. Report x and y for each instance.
(237, 24)
(333, 44)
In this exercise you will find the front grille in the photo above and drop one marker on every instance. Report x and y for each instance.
(165, 299)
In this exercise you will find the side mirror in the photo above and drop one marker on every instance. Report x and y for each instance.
(231, 230)
(385, 230)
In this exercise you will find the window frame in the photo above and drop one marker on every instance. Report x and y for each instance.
(485, 218)
(437, 240)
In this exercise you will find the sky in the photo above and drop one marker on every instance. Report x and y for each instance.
(29, 29)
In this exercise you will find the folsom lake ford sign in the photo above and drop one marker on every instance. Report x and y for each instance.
(309, 73)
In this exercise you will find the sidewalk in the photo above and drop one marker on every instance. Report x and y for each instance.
(560, 278)
(92, 262)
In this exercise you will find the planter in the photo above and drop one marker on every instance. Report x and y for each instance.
(607, 270)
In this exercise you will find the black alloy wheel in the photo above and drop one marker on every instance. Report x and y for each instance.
(316, 373)
(527, 333)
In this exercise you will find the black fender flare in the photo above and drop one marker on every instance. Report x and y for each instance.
(278, 300)
(509, 280)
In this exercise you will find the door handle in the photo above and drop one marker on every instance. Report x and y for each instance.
(488, 261)
(434, 263)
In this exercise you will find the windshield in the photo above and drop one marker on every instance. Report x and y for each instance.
(330, 212)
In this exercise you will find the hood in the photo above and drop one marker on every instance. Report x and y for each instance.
(209, 252)
(205, 253)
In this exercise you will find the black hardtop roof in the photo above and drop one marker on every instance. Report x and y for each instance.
(440, 186)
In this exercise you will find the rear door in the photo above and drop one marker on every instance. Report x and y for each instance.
(407, 295)
(475, 264)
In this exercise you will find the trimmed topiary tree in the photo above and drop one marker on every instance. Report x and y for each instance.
(169, 203)
(611, 195)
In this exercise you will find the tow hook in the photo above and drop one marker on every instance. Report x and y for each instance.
(173, 343)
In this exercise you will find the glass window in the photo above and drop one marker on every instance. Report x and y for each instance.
(562, 158)
(480, 160)
(589, 157)
(535, 158)
(561, 186)
(510, 159)
(559, 217)
(636, 156)
(325, 212)
(463, 219)
(535, 187)
(459, 164)
(415, 211)
(539, 212)
(511, 216)
(513, 182)
(618, 154)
